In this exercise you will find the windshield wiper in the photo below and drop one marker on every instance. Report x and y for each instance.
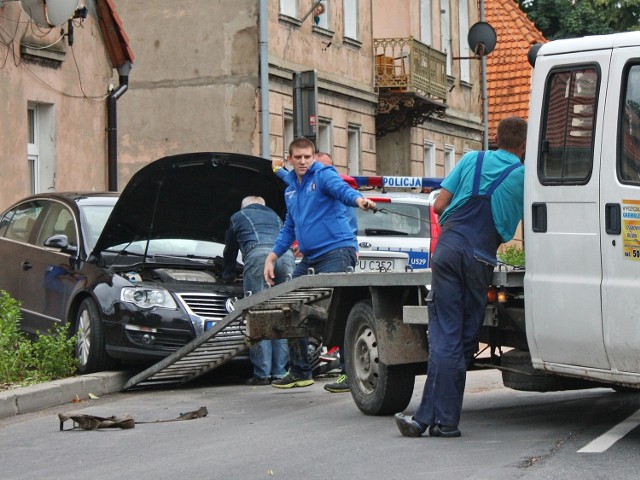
(384, 231)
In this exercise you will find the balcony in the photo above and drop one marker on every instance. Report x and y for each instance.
(411, 82)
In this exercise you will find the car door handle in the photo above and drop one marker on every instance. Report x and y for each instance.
(26, 265)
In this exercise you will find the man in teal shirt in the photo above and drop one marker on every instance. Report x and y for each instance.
(480, 204)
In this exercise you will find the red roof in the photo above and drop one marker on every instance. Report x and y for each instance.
(508, 69)
(114, 35)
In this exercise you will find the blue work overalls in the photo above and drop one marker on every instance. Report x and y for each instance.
(462, 269)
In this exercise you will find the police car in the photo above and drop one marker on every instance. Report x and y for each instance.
(404, 222)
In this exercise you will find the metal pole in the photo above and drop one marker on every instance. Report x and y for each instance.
(485, 107)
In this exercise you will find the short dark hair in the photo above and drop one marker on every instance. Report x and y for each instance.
(512, 131)
(301, 143)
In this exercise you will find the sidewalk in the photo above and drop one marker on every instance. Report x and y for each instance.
(45, 395)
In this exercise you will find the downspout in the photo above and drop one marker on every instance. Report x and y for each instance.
(112, 125)
(265, 144)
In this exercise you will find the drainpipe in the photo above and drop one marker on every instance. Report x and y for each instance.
(265, 144)
(112, 125)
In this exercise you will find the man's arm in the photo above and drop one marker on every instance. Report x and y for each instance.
(230, 254)
(443, 200)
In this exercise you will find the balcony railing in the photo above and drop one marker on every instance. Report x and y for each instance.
(407, 65)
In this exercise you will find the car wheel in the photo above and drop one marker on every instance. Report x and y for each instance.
(377, 389)
(90, 342)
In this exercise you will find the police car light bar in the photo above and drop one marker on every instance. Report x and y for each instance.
(398, 182)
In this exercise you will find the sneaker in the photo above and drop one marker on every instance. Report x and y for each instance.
(289, 381)
(339, 386)
(258, 381)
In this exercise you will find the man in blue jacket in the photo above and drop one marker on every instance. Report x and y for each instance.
(317, 200)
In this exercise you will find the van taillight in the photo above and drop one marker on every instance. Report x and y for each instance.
(434, 232)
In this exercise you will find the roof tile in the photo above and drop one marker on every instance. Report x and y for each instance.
(508, 69)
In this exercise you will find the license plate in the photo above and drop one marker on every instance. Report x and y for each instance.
(209, 323)
(366, 265)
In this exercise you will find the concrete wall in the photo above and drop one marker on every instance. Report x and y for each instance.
(194, 83)
(73, 93)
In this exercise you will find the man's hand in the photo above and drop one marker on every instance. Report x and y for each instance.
(365, 204)
(277, 163)
(270, 269)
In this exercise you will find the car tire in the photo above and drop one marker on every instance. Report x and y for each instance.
(90, 342)
(376, 388)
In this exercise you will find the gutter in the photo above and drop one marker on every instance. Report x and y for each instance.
(263, 54)
(112, 126)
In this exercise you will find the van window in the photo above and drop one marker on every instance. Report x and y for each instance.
(629, 136)
(569, 117)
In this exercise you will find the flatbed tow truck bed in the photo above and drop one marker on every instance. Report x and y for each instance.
(296, 304)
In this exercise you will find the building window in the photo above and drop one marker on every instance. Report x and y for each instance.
(463, 23)
(445, 28)
(33, 152)
(288, 133)
(322, 20)
(41, 147)
(429, 158)
(324, 142)
(353, 149)
(289, 8)
(449, 158)
(425, 21)
(351, 19)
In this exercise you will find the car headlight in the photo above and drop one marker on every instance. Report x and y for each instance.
(147, 297)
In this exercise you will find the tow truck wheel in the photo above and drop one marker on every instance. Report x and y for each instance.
(377, 389)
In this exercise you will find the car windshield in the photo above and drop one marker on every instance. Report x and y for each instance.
(95, 218)
(395, 219)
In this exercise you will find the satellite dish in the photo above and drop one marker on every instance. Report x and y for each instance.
(482, 38)
(50, 13)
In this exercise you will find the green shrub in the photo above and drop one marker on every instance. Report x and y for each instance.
(512, 255)
(25, 362)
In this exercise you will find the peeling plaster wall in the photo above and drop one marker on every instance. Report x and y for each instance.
(73, 92)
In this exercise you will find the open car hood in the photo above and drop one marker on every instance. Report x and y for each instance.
(189, 196)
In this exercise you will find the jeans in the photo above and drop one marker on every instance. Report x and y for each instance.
(268, 357)
(334, 261)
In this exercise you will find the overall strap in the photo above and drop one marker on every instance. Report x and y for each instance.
(476, 178)
(501, 178)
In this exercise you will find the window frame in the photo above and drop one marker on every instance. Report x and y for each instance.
(635, 64)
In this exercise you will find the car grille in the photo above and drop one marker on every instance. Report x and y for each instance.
(208, 306)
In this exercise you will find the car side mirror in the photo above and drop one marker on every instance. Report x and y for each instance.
(57, 241)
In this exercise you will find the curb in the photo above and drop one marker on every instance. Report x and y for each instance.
(38, 397)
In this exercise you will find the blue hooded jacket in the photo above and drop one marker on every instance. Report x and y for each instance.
(317, 212)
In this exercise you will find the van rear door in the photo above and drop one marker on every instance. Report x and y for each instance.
(562, 219)
(621, 211)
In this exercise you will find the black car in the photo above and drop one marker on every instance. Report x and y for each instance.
(135, 276)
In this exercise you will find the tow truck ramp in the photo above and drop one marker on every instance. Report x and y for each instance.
(299, 300)
(228, 337)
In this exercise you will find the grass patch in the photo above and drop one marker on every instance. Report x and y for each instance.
(24, 361)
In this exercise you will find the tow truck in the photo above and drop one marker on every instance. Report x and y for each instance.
(570, 320)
